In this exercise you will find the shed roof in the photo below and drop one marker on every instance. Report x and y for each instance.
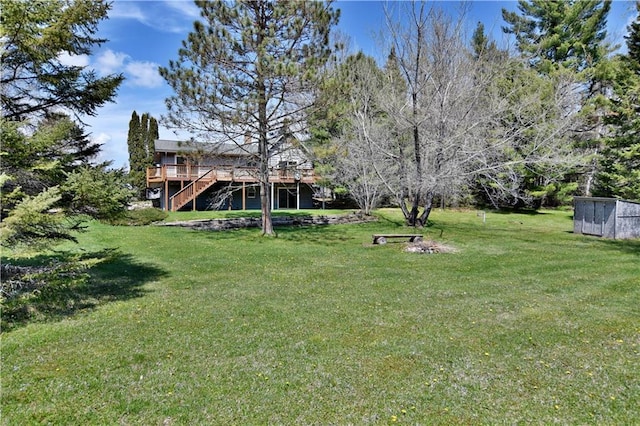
(605, 199)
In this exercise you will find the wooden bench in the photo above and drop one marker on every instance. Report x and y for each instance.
(382, 238)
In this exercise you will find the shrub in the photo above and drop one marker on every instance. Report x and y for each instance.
(139, 217)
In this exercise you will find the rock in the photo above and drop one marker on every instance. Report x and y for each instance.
(239, 223)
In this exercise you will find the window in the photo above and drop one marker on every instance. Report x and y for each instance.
(287, 164)
(251, 192)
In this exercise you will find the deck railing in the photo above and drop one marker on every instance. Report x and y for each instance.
(189, 172)
(191, 191)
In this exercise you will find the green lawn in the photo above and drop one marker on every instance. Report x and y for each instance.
(526, 323)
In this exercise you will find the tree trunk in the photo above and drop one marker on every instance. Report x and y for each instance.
(263, 135)
(265, 190)
(265, 205)
(428, 205)
(403, 206)
(413, 214)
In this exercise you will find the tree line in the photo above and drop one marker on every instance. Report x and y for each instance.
(452, 117)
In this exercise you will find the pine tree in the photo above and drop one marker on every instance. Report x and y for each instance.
(633, 43)
(560, 33)
(619, 174)
(484, 47)
(34, 36)
(479, 41)
(558, 36)
(247, 68)
(42, 148)
(143, 131)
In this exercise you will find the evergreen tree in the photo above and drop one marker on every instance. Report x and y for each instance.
(44, 158)
(349, 150)
(556, 37)
(143, 136)
(143, 131)
(153, 135)
(136, 156)
(619, 174)
(34, 81)
(42, 149)
(633, 43)
(247, 69)
(479, 41)
(133, 140)
(554, 33)
(484, 47)
(47, 191)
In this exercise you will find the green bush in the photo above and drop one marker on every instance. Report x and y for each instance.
(139, 217)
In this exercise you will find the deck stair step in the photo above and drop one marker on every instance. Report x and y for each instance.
(192, 190)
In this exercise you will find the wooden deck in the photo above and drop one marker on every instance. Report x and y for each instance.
(187, 173)
(194, 180)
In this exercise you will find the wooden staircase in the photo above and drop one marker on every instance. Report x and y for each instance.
(191, 191)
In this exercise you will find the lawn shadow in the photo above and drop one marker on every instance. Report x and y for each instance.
(113, 276)
(631, 246)
(523, 211)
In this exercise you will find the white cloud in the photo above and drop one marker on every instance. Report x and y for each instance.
(186, 8)
(144, 74)
(73, 60)
(102, 138)
(110, 62)
(137, 73)
(172, 16)
(127, 10)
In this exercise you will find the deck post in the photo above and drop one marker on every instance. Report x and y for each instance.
(272, 191)
(297, 195)
(244, 195)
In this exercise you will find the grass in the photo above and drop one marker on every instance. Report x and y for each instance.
(526, 323)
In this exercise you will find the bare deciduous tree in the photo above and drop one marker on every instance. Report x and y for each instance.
(360, 149)
(467, 117)
(440, 116)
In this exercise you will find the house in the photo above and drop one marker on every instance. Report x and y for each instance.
(206, 176)
(606, 217)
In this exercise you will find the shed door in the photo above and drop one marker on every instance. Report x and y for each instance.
(589, 213)
(594, 218)
(598, 218)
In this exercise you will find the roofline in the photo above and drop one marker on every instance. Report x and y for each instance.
(604, 199)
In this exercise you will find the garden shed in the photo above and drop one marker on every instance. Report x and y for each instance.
(606, 217)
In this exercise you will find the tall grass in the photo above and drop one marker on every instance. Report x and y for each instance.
(526, 323)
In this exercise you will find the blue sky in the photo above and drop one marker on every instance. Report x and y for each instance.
(144, 35)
